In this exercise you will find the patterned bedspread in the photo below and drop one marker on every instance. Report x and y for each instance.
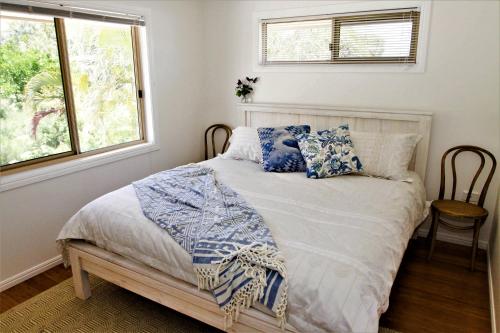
(233, 252)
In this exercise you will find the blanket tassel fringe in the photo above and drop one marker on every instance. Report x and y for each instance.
(254, 259)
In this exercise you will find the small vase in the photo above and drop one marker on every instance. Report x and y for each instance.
(246, 99)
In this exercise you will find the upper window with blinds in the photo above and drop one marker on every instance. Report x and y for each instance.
(389, 37)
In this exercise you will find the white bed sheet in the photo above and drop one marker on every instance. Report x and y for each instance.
(343, 238)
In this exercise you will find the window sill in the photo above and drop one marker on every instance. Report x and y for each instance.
(340, 68)
(23, 178)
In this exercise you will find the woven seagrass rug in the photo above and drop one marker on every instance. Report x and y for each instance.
(109, 309)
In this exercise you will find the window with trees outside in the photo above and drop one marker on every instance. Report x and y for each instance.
(382, 37)
(68, 87)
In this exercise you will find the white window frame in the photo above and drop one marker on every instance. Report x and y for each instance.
(12, 180)
(343, 8)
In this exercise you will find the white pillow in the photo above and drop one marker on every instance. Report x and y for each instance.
(385, 155)
(244, 145)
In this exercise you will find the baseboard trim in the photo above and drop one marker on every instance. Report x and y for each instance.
(492, 296)
(30, 272)
(455, 239)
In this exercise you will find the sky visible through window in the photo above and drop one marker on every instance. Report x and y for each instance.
(391, 39)
(299, 41)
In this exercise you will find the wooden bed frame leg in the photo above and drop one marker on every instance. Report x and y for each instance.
(80, 277)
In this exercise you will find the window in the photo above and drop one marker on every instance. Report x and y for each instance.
(33, 115)
(68, 86)
(389, 37)
(101, 63)
(301, 41)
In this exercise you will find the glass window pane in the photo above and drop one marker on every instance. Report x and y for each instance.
(102, 74)
(375, 39)
(299, 41)
(33, 119)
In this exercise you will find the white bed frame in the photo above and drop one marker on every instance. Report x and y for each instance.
(186, 298)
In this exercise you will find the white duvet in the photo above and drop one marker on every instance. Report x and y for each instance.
(343, 238)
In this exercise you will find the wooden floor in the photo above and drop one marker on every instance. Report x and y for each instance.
(32, 287)
(437, 296)
(442, 295)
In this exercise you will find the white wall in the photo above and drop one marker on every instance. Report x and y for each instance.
(494, 256)
(31, 216)
(461, 89)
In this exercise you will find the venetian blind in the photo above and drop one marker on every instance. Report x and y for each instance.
(389, 37)
(67, 11)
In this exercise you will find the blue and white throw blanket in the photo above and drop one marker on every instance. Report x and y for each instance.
(233, 252)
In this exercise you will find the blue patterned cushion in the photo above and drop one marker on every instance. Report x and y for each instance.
(280, 150)
(329, 153)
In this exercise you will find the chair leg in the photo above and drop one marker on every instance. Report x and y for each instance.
(429, 233)
(432, 233)
(475, 240)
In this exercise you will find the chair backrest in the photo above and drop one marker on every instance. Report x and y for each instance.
(481, 153)
(214, 129)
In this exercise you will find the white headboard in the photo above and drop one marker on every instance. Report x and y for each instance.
(359, 119)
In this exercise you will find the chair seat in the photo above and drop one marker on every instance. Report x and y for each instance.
(457, 208)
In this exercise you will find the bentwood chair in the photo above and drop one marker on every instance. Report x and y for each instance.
(465, 215)
(214, 129)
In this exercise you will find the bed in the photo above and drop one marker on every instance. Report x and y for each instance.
(344, 236)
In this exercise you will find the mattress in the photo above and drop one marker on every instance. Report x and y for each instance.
(343, 238)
